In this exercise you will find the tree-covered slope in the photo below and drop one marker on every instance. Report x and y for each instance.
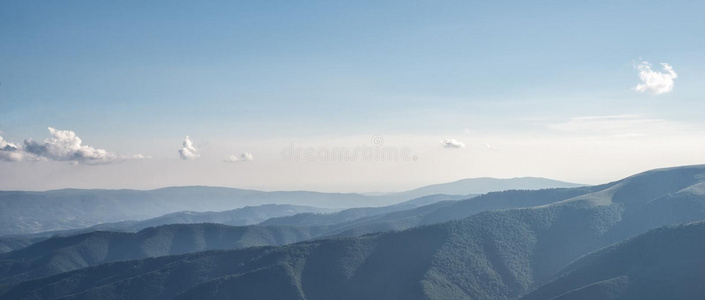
(325, 269)
(358, 221)
(447, 211)
(63, 254)
(665, 263)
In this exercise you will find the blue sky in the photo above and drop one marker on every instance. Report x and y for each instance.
(135, 77)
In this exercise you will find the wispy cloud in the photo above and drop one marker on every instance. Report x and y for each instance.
(243, 157)
(452, 143)
(188, 151)
(619, 126)
(653, 81)
(63, 145)
(489, 147)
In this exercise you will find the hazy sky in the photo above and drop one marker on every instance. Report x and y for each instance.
(102, 94)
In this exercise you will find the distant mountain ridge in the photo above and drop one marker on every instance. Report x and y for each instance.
(248, 215)
(353, 214)
(31, 212)
(484, 185)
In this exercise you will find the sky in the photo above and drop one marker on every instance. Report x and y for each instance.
(268, 94)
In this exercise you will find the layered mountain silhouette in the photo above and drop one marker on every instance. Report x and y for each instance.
(353, 214)
(350, 222)
(67, 252)
(33, 212)
(247, 215)
(496, 254)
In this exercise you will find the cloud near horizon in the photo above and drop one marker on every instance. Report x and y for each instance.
(452, 143)
(10, 151)
(653, 81)
(243, 157)
(64, 145)
(188, 151)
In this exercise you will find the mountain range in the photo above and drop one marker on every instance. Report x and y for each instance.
(41, 255)
(33, 212)
(593, 242)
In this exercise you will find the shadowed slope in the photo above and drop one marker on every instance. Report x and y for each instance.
(665, 263)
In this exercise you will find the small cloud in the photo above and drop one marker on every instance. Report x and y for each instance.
(490, 147)
(188, 151)
(452, 143)
(243, 157)
(139, 156)
(653, 81)
(64, 145)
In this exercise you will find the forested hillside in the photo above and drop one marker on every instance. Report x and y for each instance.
(63, 254)
(665, 263)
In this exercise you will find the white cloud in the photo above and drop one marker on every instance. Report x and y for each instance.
(64, 145)
(11, 152)
(452, 143)
(653, 81)
(243, 157)
(188, 151)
